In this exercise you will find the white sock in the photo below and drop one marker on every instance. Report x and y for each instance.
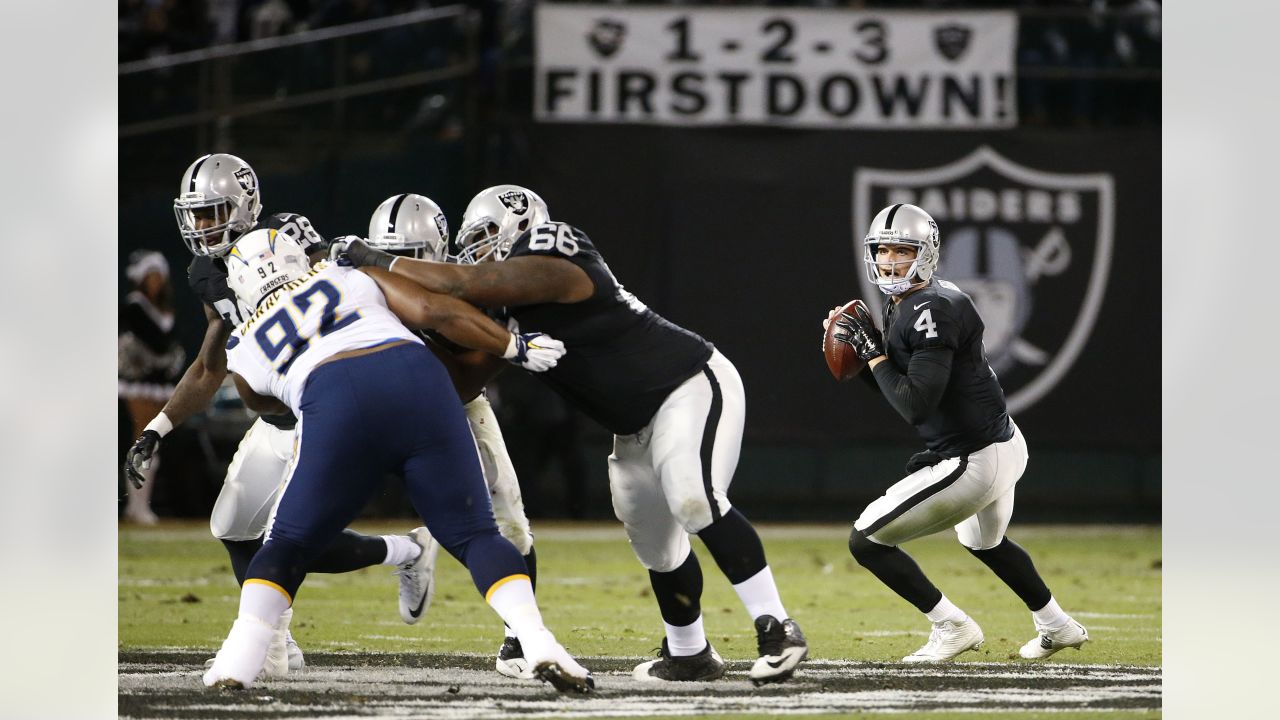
(945, 610)
(400, 549)
(1050, 616)
(513, 601)
(687, 639)
(760, 596)
(263, 600)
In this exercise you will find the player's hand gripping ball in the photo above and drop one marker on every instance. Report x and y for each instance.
(842, 358)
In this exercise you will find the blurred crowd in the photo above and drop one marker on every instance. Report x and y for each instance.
(1077, 37)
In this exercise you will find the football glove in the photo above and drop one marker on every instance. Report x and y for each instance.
(861, 334)
(139, 457)
(922, 460)
(359, 254)
(534, 351)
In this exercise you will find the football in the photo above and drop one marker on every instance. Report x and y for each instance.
(842, 361)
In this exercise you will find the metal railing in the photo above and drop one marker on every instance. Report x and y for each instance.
(201, 88)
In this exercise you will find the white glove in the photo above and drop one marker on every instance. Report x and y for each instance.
(534, 351)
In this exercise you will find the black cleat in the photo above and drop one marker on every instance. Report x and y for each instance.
(782, 646)
(703, 667)
(511, 660)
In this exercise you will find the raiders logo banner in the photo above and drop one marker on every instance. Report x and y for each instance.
(774, 66)
(1031, 247)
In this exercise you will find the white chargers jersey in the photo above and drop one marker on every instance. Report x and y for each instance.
(332, 309)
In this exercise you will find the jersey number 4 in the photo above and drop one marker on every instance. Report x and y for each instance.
(280, 331)
(926, 325)
(554, 235)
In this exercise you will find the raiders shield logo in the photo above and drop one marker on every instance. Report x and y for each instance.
(515, 201)
(1032, 248)
(952, 40)
(606, 37)
(443, 226)
(248, 180)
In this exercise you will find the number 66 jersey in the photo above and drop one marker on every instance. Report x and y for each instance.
(329, 310)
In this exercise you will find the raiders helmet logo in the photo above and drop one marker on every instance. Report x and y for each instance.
(606, 37)
(952, 40)
(442, 225)
(515, 201)
(248, 180)
(1032, 248)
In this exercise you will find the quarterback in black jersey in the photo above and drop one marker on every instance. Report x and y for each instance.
(218, 202)
(931, 366)
(674, 403)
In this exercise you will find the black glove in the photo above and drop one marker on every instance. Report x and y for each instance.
(359, 254)
(139, 456)
(861, 334)
(922, 460)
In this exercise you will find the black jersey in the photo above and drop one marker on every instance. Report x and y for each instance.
(208, 279)
(971, 413)
(622, 358)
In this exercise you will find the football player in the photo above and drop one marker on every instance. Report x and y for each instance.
(412, 225)
(931, 366)
(218, 201)
(328, 344)
(674, 403)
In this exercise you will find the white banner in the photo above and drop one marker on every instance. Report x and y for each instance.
(775, 66)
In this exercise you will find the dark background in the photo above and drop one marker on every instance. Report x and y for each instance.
(741, 234)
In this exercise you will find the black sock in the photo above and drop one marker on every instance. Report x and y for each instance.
(735, 546)
(896, 569)
(1013, 565)
(679, 592)
(350, 551)
(531, 561)
(241, 552)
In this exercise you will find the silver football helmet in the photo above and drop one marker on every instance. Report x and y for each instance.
(262, 261)
(494, 219)
(217, 202)
(410, 224)
(901, 224)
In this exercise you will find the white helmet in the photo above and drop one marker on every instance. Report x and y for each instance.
(261, 262)
(228, 186)
(495, 219)
(902, 224)
(410, 222)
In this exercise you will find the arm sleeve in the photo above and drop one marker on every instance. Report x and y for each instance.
(917, 392)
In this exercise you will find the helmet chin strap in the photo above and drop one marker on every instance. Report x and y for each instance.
(897, 286)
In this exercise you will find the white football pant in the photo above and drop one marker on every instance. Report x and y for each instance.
(672, 478)
(972, 493)
(500, 474)
(253, 483)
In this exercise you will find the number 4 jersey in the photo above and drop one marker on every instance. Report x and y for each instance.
(622, 359)
(330, 310)
(971, 413)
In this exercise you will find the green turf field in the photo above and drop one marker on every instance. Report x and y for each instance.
(177, 592)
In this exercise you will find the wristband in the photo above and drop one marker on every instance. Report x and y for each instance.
(161, 424)
(511, 348)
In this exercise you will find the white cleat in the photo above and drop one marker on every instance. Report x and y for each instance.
(296, 661)
(1051, 640)
(242, 656)
(552, 663)
(417, 578)
(947, 640)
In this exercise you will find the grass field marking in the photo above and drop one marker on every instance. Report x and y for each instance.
(1116, 616)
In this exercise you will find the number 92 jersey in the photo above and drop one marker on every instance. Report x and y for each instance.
(972, 413)
(327, 311)
(622, 358)
(207, 276)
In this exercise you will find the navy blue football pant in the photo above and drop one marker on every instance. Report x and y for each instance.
(391, 411)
